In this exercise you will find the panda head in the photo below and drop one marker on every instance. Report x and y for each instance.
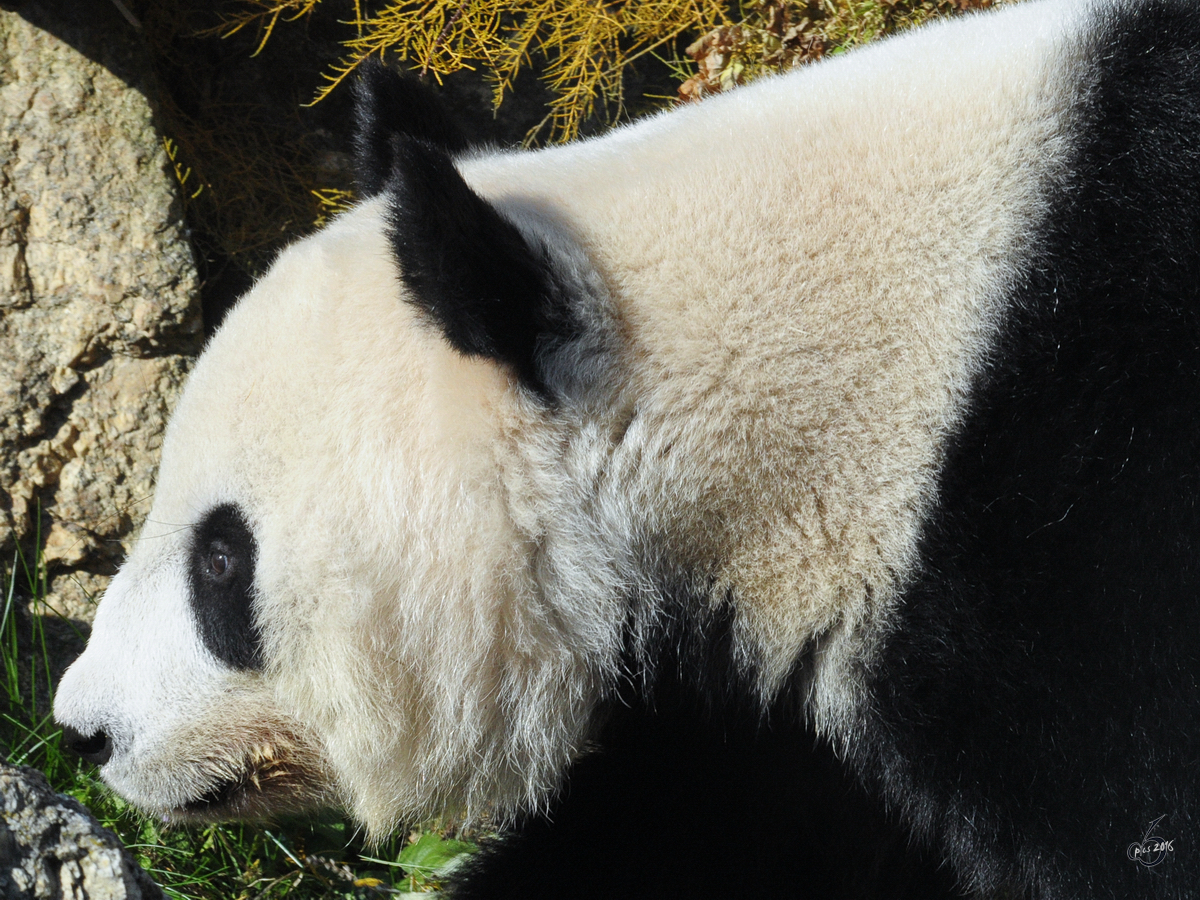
(339, 595)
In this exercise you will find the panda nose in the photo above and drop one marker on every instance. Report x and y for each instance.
(96, 748)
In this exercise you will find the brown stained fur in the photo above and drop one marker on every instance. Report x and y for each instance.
(255, 775)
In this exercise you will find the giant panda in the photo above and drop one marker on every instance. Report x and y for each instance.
(790, 495)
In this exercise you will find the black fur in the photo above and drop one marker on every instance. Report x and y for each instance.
(674, 810)
(1037, 705)
(488, 290)
(386, 105)
(221, 580)
(693, 792)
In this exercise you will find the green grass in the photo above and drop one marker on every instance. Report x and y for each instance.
(323, 857)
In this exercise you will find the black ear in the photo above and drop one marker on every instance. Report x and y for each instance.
(489, 291)
(387, 105)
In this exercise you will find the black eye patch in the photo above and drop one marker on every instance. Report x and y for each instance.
(221, 579)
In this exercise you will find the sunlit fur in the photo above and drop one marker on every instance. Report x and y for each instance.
(789, 289)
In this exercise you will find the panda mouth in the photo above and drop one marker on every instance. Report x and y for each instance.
(238, 796)
(219, 795)
(263, 782)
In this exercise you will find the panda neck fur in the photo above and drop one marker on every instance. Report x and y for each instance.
(669, 457)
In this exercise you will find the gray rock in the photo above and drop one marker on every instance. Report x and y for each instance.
(51, 847)
(99, 310)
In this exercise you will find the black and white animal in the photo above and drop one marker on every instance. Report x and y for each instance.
(794, 494)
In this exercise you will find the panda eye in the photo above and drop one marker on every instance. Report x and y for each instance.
(221, 587)
(218, 563)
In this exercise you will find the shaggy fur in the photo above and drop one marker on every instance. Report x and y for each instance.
(840, 426)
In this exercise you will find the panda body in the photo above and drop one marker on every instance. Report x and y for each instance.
(819, 457)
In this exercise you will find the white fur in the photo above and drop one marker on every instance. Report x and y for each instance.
(792, 300)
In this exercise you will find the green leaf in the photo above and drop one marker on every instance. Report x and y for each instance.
(432, 854)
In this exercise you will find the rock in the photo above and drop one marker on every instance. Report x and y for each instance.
(99, 309)
(51, 847)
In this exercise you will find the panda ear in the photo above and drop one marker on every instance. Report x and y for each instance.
(387, 105)
(471, 270)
